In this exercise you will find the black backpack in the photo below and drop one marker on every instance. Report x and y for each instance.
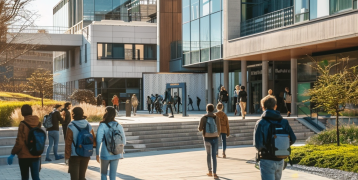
(277, 142)
(36, 140)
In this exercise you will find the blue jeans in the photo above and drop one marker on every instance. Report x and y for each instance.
(53, 137)
(29, 163)
(271, 170)
(211, 145)
(225, 107)
(113, 164)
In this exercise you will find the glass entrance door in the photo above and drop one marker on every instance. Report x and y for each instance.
(256, 96)
(176, 94)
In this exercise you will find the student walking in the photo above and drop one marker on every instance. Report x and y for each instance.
(28, 159)
(67, 116)
(287, 97)
(198, 100)
(272, 153)
(169, 101)
(149, 103)
(236, 100)
(135, 103)
(224, 98)
(115, 102)
(210, 126)
(54, 133)
(79, 145)
(190, 103)
(243, 100)
(225, 129)
(110, 144)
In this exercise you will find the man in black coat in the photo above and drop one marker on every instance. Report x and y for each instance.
(67, 119)
(169, 101)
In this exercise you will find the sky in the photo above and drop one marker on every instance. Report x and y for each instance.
(44, 9)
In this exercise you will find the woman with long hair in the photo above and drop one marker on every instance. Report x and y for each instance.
(287, 97)
(135, 103)
(106, 128)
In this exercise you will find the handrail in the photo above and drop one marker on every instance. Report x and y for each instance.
(38, 29)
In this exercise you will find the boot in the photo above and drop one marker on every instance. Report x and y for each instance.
(210, 173)
(216, 176)
(224, 155)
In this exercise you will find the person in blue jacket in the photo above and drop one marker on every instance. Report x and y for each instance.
(104, 157)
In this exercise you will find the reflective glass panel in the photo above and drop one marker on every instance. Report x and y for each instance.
(204, 7)
(186, 43)
(319, 8)
(150, 51)
(215, 5)
(216, 35)
(103, 9)
(301, 10)
(338, 6)
(118, 51)
(195, 55)
(194, 9)
(205, 38)
(128, 51)
(186, 10)
(139, 51)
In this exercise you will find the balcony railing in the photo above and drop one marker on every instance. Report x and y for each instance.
(276, 19)
(38, 29)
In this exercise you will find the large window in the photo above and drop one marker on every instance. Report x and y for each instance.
(301, 10)
(338, 6)
(194, 9)
(215, 35)
(204, 7)
(126, 51)
(195, 55)
(319, 8)
(186, 43)
(186, 10)
(205, 38)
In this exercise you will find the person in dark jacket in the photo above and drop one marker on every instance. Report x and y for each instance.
(198, 100)
(26, 160)
(54, 134)
(67, 116)
(190, 103)
(224, 97)
(149, 103)
(243, 100)
(153, 98)
(270, 166)
(287, 97)
(169, 101)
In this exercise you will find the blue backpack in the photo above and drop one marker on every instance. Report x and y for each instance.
(211, 127)
(36, 140)
(84, 142)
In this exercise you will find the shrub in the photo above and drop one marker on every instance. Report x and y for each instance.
(93, 113)
(16, 116)
(84, 96)
(348, 135)
(342, 157)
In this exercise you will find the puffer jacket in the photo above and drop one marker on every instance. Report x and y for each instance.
(134, 101)
(20, 147)
(224, 122)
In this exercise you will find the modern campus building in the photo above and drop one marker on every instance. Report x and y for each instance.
(118, 45)
(261, 44)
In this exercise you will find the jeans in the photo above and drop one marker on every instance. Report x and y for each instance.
(53, 137)
(271, 170)
(225, 107)
(77, 167)
(113, 164)
(171, 109)
(29, 163)
(238, 109)
(211, 145)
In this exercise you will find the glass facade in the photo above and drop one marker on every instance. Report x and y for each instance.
(202, 30)
(126, 51)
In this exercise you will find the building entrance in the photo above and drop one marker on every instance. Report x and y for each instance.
(178, 92)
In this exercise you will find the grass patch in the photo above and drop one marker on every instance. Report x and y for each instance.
(344, 157)
(348, 134)
(19, 97)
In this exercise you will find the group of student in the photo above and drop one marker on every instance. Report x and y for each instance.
(80, 140)
(240, 99)
(273, 137)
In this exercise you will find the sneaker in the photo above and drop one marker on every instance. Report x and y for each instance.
(165, 114)
(210, 173)
(59, 157)
(171, 117)
(48, 159)
(216, 176)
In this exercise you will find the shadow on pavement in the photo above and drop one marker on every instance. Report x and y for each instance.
(123, 176)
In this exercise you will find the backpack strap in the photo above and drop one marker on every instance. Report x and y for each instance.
(78, 128)
(27, 125)
(108, 125)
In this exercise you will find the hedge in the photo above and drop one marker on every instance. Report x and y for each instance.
(7, 107)
(344, 157)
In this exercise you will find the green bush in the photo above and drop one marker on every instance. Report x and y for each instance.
(344, 157)
(348, 134)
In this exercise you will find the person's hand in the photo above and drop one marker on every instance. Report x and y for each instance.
(67, 161)
(10, 159)
(97, 157)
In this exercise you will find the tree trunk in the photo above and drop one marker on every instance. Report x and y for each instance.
(337, 114)
(42, 99)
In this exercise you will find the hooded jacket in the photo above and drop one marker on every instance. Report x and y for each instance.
(101, 148)
(202, 123)
(262, 128)
(224, 122)
(71, 135)
(134, 101)
(20, 147)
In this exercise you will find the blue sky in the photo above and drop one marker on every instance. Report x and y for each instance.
(44, 9)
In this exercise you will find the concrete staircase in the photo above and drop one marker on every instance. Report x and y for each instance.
(162, 136)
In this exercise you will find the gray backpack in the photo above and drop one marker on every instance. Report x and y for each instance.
(114, 140)
(47, 122)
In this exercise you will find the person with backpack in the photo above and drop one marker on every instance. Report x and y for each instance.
(190, 103)
(211, 128)
(30, 143)
(149, 103)
(153, 99)
(224, 126)
(273, 137)
(287, 97)
(110, 144)
(54, 133)
(243, 100)
(67, 116)
(224, 98)
(79, 144)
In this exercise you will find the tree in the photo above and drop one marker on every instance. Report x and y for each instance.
(336, 86)
(41, 81)
(84, 95)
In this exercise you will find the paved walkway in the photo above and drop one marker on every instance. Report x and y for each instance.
(171, 164)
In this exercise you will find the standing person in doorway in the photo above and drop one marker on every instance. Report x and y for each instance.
(211, 128)
(106, 156)
(169, 100)
(198, 100)
(236, 100)
(149, 103)
(26, 159)
(243, 100)
(77, 164)
(224, 97)
(153, 98)
(135, 103)
(115, 102)
(67, 116)
(190, 103)
(225, 130)
(54, 134)
(287, 97)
